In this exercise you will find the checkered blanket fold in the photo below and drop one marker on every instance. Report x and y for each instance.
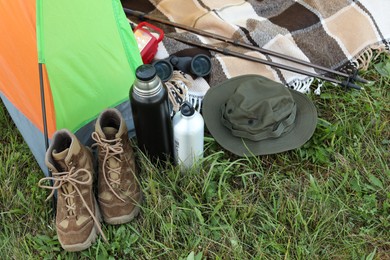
(336, 34)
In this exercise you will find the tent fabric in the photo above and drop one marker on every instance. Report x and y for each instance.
(88, 54)
(19, 80)
(86, 51)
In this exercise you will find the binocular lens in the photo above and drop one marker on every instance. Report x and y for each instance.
(164, 69)
(201, 65)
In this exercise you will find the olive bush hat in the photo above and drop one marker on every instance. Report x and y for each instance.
(251, 115)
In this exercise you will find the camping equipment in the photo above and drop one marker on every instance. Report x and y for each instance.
(188, 133)
(164, 69)
(252, 115)
(147, 42)
(182, 87)
(143, 16)
(77, 215)
(177, 87)
(151, 115)
(118, 190)
(347, 84)
(196, 92)
(197, 66)
(84, 66)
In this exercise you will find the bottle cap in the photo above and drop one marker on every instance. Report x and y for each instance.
(187, 109)
(145, 72)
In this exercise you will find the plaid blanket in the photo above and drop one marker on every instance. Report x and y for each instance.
(337, 34)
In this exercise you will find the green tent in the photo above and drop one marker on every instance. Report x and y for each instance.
(87, 57)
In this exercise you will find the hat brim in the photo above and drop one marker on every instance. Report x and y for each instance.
(305, 121)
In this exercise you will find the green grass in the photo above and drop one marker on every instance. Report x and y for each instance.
(329, 199)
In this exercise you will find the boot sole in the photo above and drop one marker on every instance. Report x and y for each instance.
(125, 218)
(91, 238)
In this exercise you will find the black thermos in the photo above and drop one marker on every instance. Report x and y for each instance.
(152, 121)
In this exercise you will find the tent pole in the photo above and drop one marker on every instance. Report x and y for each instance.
(45, 132)
(43, 105)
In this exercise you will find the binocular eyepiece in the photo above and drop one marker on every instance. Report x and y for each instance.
(197, 66)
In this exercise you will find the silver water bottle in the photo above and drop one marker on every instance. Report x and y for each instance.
(151, 115)
(188, 132)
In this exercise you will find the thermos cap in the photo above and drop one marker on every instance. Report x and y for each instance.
(145, 72)
(147, 82)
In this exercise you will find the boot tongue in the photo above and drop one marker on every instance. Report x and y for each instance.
(59, 158)
(110, 132)
(68, 189)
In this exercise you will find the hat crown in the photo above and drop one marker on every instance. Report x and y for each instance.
(258, 115)
(283, 134)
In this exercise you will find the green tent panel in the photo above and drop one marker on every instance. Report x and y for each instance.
(90, 56)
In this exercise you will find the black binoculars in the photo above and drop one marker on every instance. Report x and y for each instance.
(197, 66)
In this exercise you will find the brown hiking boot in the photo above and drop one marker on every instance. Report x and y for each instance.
(72, 175)
(119, 192)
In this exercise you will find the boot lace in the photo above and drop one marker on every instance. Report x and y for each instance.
(63, 179)
(111, 148)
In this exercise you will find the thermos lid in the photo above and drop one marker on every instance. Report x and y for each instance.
(147, 82)
(145, 72)
(187, 109)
